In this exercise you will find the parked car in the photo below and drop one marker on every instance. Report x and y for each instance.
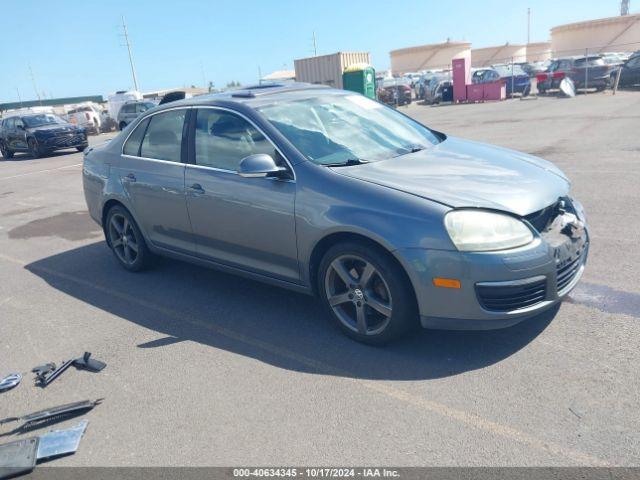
(420, 87)
(443, 92)
(585, 72)
(394, 91)
(630, 71)
(515, 79)
(392, 225)
(432, 86)
(531, 68)
(39, 134)
(88, 116)
(130, 111)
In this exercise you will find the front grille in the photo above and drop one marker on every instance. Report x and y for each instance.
(66, 140)
(567, 272)
(504, 298)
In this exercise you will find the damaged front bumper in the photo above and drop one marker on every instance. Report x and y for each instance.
(497, 289)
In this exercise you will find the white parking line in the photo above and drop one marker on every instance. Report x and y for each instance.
(41, 171)
(469, 419)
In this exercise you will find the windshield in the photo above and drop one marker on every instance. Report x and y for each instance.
(42, 119)
(508, 70)
(341, 129)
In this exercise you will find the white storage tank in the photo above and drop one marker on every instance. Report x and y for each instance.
(426, 57)
(538, 51)
(613, 34)
(487, 56)
(328, 69)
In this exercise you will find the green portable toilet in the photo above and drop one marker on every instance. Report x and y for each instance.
(360, 78)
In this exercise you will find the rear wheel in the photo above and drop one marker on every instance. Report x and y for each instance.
(81, 149)
(366, 293)
(122, 125)
(126, 240)
(6, 153)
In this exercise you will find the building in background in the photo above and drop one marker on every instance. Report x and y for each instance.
(328, 69)
(613, 34)
(426, 57)
(487, 56)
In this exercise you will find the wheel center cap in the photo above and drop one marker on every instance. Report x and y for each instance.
(125, 240)
(357, 293)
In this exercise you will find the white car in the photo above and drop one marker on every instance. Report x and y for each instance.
(87, 115)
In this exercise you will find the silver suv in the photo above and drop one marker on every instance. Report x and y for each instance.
(130, 111)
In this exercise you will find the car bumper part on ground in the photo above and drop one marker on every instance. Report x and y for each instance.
(497, 289)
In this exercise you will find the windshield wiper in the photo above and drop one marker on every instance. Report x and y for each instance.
(411, 149)
(348, 163)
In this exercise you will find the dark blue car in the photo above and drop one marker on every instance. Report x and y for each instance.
(514, 77)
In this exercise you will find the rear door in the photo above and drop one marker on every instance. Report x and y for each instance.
(152, 174)
(247, 223)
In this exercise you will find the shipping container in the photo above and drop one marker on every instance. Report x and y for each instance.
(328, 69)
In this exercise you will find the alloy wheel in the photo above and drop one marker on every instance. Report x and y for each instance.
(123, 239)
(358, 294)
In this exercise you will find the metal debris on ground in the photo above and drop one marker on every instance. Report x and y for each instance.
(61, 442)
(10, 381)
(50, 415)
(45, 374)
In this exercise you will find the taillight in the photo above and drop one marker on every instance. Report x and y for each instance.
(558, 75)
(541, 77)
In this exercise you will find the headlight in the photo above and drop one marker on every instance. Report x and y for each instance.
(480, 231)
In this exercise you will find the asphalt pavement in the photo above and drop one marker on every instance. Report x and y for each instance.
(208, 369)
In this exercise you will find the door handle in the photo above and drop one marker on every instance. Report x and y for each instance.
(196, 189)
(130, 177)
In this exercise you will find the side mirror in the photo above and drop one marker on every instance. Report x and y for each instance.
(260, 165)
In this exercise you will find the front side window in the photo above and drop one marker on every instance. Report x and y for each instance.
(223, 139)
(132, 145)
(337, 129)
(163, 138)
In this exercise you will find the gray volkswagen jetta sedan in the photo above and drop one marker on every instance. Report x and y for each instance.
(324, 191)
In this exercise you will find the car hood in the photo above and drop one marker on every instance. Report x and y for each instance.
(57, 128)
(461, 173)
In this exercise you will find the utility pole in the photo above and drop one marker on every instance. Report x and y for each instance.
(528, 26)
(35, 86)
(315, 45)
(126, 39)
(624, 7)
(19, 97)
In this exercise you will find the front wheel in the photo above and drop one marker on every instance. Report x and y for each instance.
(34, 150)
(122, 126)
(5, 152)
(366, 293)
(126, 240)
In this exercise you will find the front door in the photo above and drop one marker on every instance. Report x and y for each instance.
(152, 174)
(247, 223)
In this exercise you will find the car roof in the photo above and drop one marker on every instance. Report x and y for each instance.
(256, 95)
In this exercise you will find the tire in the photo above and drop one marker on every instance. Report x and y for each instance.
(126, 241)
(381, 310)
(81, 149)
(6, 153)
(122, 126)
(34, 150)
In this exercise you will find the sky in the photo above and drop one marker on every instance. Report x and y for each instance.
(76, 47)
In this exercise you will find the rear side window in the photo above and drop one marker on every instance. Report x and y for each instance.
(128, 108)
(224, 139)
(132, 145)
(163, 138)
